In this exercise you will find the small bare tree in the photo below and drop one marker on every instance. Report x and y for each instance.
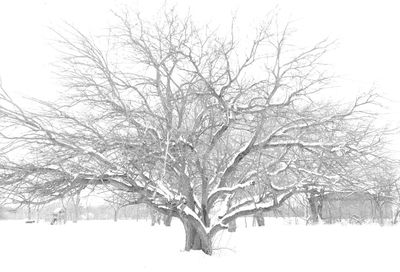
(118, 200)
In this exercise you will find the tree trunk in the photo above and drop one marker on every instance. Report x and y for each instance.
(313, 219)
(65, 211)
(76, 201)
(29, 212)
(2, 216)
(258, 220)
(75, 216)
(115, 215)
(232, 226)
(315, 202)
(155, 217)
(396, 217)
(195, 239)
(38, 209)
(167, 220)
(381, 215)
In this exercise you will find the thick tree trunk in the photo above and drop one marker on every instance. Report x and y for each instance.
(195, 239)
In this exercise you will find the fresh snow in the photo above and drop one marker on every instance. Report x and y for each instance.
(190, 212)
(135, 246)
(232, 188)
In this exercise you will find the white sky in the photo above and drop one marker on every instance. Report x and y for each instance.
(368, 51)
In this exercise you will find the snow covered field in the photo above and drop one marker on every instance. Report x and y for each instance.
(135, 246)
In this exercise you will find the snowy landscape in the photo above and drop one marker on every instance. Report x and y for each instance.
(135, 246)
(236, 135)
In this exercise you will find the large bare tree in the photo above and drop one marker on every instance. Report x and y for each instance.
(201, 126)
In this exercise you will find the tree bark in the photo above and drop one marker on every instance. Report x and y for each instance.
(195, 239)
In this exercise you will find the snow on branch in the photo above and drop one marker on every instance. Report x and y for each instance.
(229, 190)
(256, 207)
(317, 174)
(239, 157)
(298, 143)
(250, 208)
(279, 170)
(188, 212)
(217, 136)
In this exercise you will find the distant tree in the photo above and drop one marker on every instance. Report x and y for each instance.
(74, 198)
(197, 125)
(361, 165)
(118, 200)
(396, 202)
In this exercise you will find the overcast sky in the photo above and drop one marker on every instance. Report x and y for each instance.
(367, 53)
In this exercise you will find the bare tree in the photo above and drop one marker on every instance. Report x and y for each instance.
(396, 203)
(199, 126)
(361, 165)
(118, 200)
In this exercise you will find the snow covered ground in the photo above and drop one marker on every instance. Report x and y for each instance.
(135, 246)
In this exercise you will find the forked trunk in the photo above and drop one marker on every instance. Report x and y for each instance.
(196, 238)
